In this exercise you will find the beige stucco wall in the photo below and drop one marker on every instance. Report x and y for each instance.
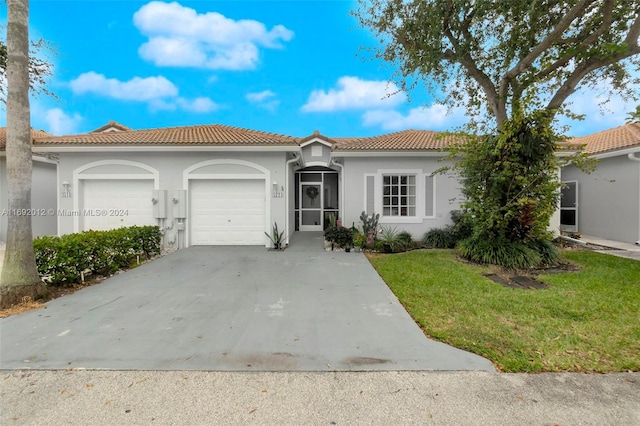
(608, 199)
(43, 197)
(171, 167)
(447, 193)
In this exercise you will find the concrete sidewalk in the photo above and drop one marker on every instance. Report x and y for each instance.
(379, 398)
(617, 248)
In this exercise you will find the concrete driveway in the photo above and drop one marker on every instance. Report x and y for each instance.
(232, 309)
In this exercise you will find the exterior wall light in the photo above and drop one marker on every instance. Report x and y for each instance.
(66, 189)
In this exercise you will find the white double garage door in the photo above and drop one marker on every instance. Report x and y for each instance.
(221, 211)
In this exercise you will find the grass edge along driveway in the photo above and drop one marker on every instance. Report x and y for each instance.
(585, 321)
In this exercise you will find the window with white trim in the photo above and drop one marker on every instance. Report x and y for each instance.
(398, 195)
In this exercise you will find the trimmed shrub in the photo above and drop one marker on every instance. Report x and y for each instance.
(502, 252)
(548, 251)
(440, 238)
(462, 225)
(63, 259)
(404, 241)
(340, 236)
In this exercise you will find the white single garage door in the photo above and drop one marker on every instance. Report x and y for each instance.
(227, 212)
(109, 204)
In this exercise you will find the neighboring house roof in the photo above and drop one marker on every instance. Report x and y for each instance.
(215, 134)
(622, 137)
(34, 134)
(111, 126)
(406, 140)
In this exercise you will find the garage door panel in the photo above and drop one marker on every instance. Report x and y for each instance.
(227, 212)
(133, 197)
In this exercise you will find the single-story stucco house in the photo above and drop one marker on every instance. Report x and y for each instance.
(606, 202)
(222, 185)
(43, 189)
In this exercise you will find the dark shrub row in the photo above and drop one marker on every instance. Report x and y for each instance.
(63, 259)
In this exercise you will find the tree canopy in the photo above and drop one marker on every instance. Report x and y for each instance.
(40, 69)
(506, 58)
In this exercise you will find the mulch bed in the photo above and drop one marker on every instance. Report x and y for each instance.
(527, 279)
(516, 281)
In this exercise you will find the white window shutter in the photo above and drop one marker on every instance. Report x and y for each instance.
(429, 207)
(370, 194)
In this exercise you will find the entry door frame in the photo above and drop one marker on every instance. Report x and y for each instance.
(324, 186)
(571, 185)
(320, 208)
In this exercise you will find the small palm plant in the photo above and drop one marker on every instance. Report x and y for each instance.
(276, 237)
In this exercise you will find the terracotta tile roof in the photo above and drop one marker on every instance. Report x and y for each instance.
(406, 140)
(111, 125)
(34, 134)
(215, 134)
(627, 136)
(317, 134)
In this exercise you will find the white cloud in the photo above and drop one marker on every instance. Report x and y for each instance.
(60, 123)
(160, 93)
(180, 36)
(265, 99)
(136, 89)
(257, 97)
(600, 114)
(435, 117)
(355, 93)
(199, 105)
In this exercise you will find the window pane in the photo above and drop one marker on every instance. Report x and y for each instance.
(330, 190)
(568, 217)
(569, 193)
(311, 217)
(399, 195)
(311, 177)
(311, 196)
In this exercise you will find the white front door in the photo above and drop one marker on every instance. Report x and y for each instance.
(227, 212)
(311, 195)
(115, 203)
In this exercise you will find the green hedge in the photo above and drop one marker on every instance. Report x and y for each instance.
(101, 252)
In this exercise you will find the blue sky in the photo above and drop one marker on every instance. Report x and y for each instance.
(287, 67)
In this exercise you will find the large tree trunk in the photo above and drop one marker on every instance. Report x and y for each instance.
(19, 273)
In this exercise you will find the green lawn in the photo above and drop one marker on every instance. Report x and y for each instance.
(586, 321)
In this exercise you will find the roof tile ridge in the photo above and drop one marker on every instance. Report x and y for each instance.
(601, 132)
(634, 129)
(246, 129)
